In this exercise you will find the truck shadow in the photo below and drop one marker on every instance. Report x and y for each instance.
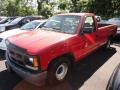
(117, 41)
(8, 81)
(87, 67)
(82, 71)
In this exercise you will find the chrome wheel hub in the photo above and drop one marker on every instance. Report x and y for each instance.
(61, 71)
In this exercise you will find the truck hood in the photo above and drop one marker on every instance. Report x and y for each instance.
(37, 40)
(10, 33)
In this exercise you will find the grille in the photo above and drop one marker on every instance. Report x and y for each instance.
(16, 54)
(19, 57)
(16, 57)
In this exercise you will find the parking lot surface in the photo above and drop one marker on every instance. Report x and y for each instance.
(99, 80)
(92, 73)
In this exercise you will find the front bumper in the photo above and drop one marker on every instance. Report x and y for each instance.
(36, 78)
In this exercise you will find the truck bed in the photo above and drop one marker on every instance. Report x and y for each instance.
(103, 24)
(107, 29)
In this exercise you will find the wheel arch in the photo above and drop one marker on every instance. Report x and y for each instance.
(68, 55)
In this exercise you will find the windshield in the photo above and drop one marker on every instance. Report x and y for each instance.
(3, 19)
(31, 25)
(15, 21)
(63, 23)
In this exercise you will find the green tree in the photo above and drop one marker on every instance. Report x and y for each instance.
(44, 8)
(26, 8)
(3, 4)
(101, 7)
(63, 4)
(19, 8)
(78, 5)
(116, 7)
(40, 2)
(11, 8)
(105, 8)
(74, 6)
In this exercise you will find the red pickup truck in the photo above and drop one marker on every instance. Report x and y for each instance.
(62, 41)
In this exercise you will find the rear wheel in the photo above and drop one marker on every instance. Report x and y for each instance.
(58, 70)
(108, 44)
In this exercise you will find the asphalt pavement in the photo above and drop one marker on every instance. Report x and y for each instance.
(92, 73)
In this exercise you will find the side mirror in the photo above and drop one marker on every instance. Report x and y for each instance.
(27, 21)
(24, 22)
(98, 19)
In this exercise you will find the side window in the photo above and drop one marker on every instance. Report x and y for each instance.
(24, 21)
(89, 25)
(41, 25)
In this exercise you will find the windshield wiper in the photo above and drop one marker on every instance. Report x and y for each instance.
(51, 29)
(56, 29)
(44, 27)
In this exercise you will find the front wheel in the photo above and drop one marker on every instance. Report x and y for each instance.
(108, 44)
(58, 70)
(61, 71)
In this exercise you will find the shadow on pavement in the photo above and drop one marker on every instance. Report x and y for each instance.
(27, 86)
(7, 80)
(2, 55)
(117, 41)
(88, 66)
(81, 72)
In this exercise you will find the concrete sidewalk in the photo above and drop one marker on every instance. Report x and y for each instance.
(99, 80)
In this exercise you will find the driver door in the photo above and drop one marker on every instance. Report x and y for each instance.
(89, 34)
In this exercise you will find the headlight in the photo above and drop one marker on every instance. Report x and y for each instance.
(32, 62)
(2, 29)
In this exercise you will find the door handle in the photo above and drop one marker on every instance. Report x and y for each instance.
(96, 35)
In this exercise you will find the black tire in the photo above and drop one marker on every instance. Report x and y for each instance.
(108, 44)
(58, 70)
